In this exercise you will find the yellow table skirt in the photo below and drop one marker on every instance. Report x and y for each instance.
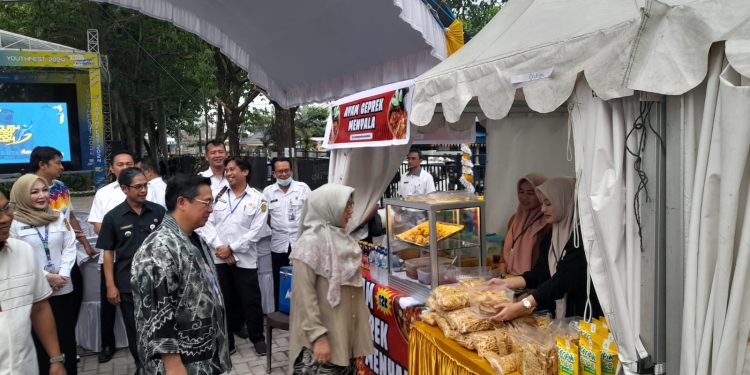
(430, 353)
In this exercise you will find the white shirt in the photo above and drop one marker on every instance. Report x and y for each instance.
(216, 183)
(420, 183)
(22, 283)
(285, 210)
(62, 247)
(158, 189)
(240, 222)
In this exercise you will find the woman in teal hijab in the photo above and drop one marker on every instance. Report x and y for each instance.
(329, 325)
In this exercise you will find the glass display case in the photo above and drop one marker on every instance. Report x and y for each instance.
(433, 241)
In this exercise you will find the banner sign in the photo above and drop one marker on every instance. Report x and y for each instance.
(390, 326)
(39, 59)
(373, 118)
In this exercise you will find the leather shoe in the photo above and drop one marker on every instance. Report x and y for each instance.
(106, 354)
(242, 333)
(260, 347)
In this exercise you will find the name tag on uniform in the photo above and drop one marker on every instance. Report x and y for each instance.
(126, 226)
(274, 200)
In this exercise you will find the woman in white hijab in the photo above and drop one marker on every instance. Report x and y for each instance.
(559, 278)
(329, 325)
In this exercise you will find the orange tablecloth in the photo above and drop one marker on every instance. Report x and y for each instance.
(430, 353)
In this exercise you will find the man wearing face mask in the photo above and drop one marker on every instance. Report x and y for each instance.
(285, 201)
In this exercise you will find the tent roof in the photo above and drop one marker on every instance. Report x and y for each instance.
(304, 52)
(13, 41)
(620, 46)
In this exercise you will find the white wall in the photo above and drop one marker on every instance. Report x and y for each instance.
(516, 145)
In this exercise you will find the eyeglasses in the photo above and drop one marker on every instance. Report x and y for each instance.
(139, 187)
(9, 209)
(283, 171)
(207, 203)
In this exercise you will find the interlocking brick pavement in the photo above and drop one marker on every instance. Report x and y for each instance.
(244, 362)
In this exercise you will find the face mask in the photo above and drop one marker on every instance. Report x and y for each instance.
(285, 182)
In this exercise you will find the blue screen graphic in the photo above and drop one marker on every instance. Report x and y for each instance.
(24, 126)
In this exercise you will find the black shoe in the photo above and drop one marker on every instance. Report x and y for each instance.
(232, 350)
(106, 354)
(260, 347)
(242, 333)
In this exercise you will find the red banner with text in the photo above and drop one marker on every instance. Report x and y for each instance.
(390, 326)
(377, 117)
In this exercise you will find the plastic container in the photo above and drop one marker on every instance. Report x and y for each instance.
(412, 265)
(447, 275)
(285, 289)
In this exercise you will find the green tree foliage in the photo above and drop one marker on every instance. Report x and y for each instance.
(161, 77)
(474, 13)
(310, 122)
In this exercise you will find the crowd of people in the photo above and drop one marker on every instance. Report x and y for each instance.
(185, 260)
(180, 260)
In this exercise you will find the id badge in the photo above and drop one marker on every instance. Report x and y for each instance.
(290, 213)
(50, 268)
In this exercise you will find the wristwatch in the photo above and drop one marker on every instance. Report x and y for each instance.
(57, 359)
(526, 303)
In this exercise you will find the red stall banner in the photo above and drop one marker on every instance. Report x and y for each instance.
(390, 325)
(373, 118)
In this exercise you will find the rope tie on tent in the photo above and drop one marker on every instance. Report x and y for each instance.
(639, 131)
(569, 146)
(588, 310)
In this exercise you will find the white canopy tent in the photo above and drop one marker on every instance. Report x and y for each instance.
(303, 52)
(597, 56)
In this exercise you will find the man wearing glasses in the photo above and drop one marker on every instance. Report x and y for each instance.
(415, 181)
(179, 308)
(285, 201)
(123, 230)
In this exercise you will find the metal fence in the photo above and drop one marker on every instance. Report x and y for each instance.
(312, 169)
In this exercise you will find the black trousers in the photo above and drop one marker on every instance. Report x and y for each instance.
(127, 306)
(278, 260)
(77, 279)
(108, 312)
(243, 282)
(63, 310)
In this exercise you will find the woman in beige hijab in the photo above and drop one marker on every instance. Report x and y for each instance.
(329, 325)
(526, 228)
(54, 243)
(559, 278)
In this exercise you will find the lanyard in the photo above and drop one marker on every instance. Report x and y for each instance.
(229, 201)
(45, 244)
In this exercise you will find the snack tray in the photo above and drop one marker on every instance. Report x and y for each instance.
(451, 230)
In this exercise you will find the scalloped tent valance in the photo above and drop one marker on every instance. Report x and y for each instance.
(303, 52)
(541, 46)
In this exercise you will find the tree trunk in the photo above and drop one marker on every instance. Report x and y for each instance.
(283, 128)
(220, 119)
(161, 123)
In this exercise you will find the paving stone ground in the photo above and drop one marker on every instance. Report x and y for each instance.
(244, 362)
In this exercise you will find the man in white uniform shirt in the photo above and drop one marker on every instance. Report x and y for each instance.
(215, 155)
(286, 198)
(415, 181)
(156, 185)
(236, 225)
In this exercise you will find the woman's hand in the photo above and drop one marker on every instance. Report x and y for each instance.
(498, 282)
(57, 369)
(56, 281)
(321, 350)
(510, 311)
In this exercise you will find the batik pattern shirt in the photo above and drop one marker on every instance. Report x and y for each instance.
(59, 198)
(179, 308)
